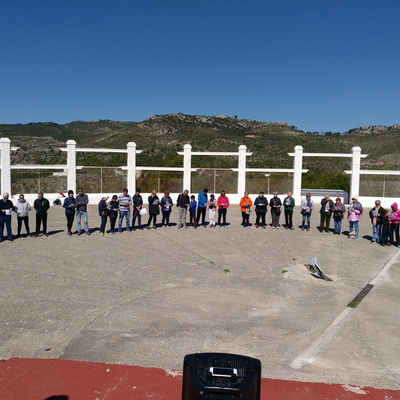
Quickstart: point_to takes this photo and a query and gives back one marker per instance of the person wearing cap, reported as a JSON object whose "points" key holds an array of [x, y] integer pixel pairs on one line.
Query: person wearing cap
{"points": [[22, 208], [137, 202], [81, 202], [6, 208], [41, 205], [202, 201], [182, 204], [103, 212], [124, 201], [69, 205], [354, 213]]}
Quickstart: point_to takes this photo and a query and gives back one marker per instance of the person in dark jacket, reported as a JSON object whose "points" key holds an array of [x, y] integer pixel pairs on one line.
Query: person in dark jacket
{"points": [[261, 204], [385, 228], [183, 203], [376, 220], [276, 207], [327, 207], [166, 204], [113, 208], [137, 202], [41, 205], [69, 205], [338, 212], [6, 208], [154, 209], [103, 211], [81, 203]]}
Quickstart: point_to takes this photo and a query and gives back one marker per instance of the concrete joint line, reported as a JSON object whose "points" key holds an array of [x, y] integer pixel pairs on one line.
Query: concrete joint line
{"points": [[308, 355]]}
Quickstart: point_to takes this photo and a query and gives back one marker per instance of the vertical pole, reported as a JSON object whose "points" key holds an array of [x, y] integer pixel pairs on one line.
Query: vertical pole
{"points": [[242, 170], [71, 165], [131, 164], [297, 166], [5, 149], [355, 171], [187, 167]]}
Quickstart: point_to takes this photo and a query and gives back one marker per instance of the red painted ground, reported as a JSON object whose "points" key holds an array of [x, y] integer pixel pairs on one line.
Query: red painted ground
{"points": [[37, 379]]}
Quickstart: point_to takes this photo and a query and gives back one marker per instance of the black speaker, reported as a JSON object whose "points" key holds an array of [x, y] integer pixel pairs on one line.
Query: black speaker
{"points": [[221, 376]]}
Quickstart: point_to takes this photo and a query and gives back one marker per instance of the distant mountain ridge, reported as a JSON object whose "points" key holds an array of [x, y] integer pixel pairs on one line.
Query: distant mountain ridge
{"points": [[162, 136]]}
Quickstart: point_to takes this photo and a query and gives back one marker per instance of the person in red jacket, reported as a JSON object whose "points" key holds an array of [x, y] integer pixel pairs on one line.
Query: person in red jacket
{"points": [[223, 204]]}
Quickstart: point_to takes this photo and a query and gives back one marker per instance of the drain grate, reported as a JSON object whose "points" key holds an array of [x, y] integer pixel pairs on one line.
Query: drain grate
{"points": [[357, 300]]}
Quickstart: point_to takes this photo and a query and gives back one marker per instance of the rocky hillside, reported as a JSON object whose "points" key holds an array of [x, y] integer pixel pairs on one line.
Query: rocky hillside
{"points": [[161, 136]]}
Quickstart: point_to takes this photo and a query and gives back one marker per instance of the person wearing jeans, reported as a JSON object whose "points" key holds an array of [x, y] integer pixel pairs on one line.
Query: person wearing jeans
{"points": [[354, 212], [81, 202], [124, 201], [307, 206]]}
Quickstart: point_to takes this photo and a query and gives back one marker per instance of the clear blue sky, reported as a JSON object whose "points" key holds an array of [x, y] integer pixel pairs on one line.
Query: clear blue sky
{"points": [[320, 65]]}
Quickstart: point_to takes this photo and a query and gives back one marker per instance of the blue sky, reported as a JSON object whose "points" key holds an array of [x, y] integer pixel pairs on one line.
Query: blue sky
{"points": [[319, 65]]}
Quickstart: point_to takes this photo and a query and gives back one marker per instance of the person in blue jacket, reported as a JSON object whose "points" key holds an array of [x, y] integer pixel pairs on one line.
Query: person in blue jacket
{"points": [[193, 206], [202, 200], [69, 205]]}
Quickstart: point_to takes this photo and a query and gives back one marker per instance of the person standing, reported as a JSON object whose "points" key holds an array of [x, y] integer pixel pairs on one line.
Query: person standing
{"points": [[223, 204], [326, 210], [354, 213], [69, 205], [212, 210], [288, 203], [154, 209], [276, 207], [22, 208], [338, 213], [137, 202], [6, 209], [183, 203], [202, 200], [245, 208], [81, 202], [124, 201], [103, 211], [113, 209], [261, 204], [394, 218], [376, 220], [166, 208], [193, 206], [307, 205], [41, 205]]}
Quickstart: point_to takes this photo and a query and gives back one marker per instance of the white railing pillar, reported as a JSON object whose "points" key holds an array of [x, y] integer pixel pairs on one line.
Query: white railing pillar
{"points": [[5, 150], [355, 171], [242, 170], [297, 166], [187, 167], [131, 164], [71, 165]]}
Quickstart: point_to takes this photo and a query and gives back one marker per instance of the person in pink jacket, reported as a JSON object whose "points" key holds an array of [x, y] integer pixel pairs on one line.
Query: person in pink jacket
{"points": [[394, 218], [223, 204], [354, 213]]}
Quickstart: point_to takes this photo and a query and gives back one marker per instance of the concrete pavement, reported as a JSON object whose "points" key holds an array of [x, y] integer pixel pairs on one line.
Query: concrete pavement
{"points": [[150, 297]]}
